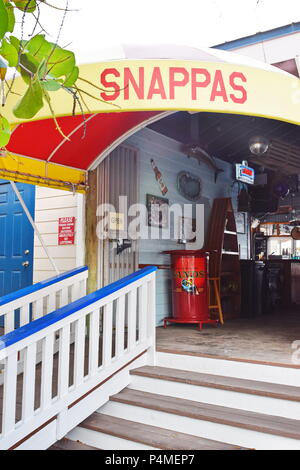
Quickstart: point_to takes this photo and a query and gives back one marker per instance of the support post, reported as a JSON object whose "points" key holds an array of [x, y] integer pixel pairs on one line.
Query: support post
{"points": [[91, 240], [151, 320]]}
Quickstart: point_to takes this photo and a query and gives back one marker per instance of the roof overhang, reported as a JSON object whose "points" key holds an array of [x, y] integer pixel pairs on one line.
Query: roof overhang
{"points": [[136, 92]]}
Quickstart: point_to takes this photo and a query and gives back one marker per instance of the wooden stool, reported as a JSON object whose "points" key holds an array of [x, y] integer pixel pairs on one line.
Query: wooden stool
{"points": [[216, 283]]}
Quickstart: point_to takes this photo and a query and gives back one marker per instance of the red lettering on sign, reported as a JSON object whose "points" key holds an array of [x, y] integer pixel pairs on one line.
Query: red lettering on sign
{"points": [[66, 231], [156, 85], [243, 97], [174, 83], [110, 96], [199, 84], [130, 80], [218, 88], [134, 82]]}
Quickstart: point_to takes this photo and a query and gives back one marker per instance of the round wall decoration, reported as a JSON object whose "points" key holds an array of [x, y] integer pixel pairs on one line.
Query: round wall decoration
{"points": [[189, 186]]}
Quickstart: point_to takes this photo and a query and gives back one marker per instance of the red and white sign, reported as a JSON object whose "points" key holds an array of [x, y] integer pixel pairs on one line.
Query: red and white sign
{"points": [[66, 231]]}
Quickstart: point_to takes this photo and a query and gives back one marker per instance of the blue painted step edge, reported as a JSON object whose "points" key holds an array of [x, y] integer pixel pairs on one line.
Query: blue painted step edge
{"points": [[42, 323], [5, 299]]}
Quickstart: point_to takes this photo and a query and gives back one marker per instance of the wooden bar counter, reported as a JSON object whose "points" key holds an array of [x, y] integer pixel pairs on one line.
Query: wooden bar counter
{"points": [[290, 279]]}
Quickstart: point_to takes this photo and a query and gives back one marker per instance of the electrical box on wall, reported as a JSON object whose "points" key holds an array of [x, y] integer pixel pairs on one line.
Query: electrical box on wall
{"points": [[244, 173]]}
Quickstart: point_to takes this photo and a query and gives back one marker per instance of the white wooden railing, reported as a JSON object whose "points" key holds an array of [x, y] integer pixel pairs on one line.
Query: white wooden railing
{"points": [[20, 307], [114, 329]]}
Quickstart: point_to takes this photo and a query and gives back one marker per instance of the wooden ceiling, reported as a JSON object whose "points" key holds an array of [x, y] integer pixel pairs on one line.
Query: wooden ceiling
{"points": [[226, 136], [281, 157]]}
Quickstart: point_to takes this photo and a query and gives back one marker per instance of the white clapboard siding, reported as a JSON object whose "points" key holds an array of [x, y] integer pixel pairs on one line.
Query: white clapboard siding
{"points": [[50, 205]]}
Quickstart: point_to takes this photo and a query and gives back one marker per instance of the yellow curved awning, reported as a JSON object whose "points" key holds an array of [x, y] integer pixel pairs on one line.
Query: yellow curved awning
{"points": [[146, 87]]}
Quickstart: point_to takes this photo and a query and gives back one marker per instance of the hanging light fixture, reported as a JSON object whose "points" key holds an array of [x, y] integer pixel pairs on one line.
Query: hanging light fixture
{"points": [[258, 145]]}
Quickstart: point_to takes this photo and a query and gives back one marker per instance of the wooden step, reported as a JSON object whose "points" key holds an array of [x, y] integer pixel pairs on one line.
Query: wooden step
{"points": [[152, 436], [267, 424], [251, 387], [67, 444]]}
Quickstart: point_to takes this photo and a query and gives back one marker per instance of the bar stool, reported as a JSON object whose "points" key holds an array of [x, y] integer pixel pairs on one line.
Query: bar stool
{"points": [[215, 285]]}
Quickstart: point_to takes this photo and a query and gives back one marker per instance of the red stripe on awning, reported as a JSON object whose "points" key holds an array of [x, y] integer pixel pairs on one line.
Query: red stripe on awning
{"points": [[38, 139]]}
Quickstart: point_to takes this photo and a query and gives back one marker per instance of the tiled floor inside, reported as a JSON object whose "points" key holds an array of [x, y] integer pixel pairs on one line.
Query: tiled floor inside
{"points": [[269, 338]]}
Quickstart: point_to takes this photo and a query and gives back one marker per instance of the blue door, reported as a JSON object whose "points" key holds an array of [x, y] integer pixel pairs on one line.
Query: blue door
{"points": [[16, 238]]}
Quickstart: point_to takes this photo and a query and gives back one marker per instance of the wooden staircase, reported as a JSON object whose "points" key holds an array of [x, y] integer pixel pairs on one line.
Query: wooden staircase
{"points": [[175, 409]]}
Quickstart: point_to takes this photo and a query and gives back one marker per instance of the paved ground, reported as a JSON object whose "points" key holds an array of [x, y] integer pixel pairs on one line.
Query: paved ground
{"points": [[267, 338]]}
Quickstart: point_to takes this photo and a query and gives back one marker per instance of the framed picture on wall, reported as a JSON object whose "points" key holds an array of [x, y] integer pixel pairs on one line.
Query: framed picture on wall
{"points": [[157, 211], [240, 220]]}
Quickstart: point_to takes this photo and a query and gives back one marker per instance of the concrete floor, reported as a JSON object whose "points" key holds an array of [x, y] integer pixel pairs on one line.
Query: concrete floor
{"points": [[266, 338]]}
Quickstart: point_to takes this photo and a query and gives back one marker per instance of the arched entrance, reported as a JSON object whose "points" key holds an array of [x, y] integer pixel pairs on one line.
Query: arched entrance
{"points": [[145, 89]]}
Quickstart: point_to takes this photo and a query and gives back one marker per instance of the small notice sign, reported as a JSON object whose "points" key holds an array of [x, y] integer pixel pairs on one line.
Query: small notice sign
{"points": [[66, 231]]}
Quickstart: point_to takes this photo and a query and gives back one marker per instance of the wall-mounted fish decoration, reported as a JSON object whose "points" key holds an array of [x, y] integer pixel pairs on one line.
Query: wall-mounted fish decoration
{"points": [[195, 151]]}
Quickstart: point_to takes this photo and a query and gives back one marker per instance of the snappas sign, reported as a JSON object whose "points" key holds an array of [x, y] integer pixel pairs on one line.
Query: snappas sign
{"points": [[148, 83], [187, 85], [178, 85]]}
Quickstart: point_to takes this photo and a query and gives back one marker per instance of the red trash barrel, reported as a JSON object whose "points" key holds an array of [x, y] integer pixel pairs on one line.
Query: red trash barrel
{"points": [[189, 287]]}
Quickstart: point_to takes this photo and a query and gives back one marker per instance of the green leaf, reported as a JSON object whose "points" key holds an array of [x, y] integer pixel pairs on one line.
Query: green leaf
{"points": [[3, 19], [51, 85], [39, 47], [28, 6], [9, 52], [31, 102], [11, 17], [61, 62], [15, 42], [72, 77], [5, 131], [28, 64]]}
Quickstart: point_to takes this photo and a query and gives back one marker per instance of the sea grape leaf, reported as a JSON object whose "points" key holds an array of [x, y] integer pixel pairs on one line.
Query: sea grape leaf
{"points": [[29, 6], [61, 62], [28, 67], [3, 19], [5, 131], [11, 17], [51, 85], [9, 52], [31, 102], [39, 47], [72, 77], [15, 42]]}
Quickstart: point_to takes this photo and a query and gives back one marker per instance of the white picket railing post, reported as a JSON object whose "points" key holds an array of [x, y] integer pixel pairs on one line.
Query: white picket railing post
{"points": [[143, 312], [151, 320], [107, 335], [10, 394], [24, 315], [120, 326], [47, 371], [132, 299], [79, 345], [94, 342], [29, 382]]}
